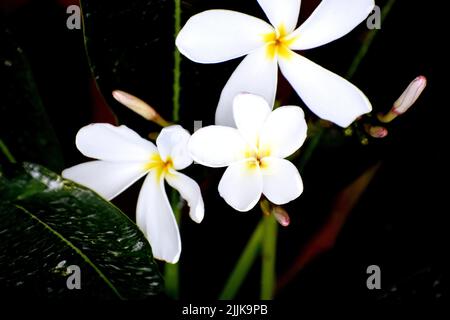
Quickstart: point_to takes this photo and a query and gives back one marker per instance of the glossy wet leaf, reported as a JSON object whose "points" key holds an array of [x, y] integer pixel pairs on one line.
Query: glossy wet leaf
{"points": [[48, 224]]}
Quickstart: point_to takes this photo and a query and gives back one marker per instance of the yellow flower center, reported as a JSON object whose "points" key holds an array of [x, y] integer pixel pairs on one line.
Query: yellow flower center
{"points": [[278, 43], [161, 167], [256, 158]]}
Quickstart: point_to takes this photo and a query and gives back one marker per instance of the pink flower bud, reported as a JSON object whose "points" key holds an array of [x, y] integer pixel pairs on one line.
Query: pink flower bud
{"points": [[140, 107], [410, 95], [406, 100], [281, 216], [377, 132]]}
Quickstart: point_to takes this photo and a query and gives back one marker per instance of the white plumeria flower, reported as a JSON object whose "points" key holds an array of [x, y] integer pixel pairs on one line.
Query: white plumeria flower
{"points": [[254, 152], [219, 35], [123, 158]]}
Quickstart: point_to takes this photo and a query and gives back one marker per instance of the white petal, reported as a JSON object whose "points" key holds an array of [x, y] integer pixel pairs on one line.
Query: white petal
{"points": [[250, 112], [328, 95], [172, 142], [256, 74], [190, 191], [106, 178], [107, 142], [282, 181], [219, 35], [284, 131], [217, 146], [241, 185], [331, 20], [155, 218], [282, 12]]}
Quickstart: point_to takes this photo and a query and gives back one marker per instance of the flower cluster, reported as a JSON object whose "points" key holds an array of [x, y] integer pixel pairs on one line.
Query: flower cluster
{"points": [[220, 35], [250, 139]]}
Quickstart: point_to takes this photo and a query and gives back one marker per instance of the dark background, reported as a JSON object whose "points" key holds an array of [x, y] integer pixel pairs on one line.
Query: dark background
{"points": [[398, 224]]}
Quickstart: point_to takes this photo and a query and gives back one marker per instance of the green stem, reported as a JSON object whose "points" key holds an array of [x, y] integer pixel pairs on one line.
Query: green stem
{"points": [[368, 42], [269, 249], [244, 264], [172, 271], [309, 149], [4, 149], [176, 65]]}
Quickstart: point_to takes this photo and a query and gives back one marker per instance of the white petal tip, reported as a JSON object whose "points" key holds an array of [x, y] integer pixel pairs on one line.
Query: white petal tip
{"points": [[346, 123], [168, 260], [197, 219], [236, 206], [64, 174], [197, 215]]}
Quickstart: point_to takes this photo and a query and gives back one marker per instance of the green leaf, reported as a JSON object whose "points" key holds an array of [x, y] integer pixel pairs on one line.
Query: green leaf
{"points": [[24, 125], [48, 223]]}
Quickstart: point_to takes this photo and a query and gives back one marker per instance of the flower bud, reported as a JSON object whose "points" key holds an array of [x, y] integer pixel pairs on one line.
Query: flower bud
{"points": [[377, 132], [406, 100], [281, 216], [410, 95], [140, 107]]}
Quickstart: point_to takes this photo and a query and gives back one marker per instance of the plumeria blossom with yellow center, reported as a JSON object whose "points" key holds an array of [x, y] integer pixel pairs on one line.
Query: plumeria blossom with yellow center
{"points": [[219, 35], [123, 158], [254, 152]]}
